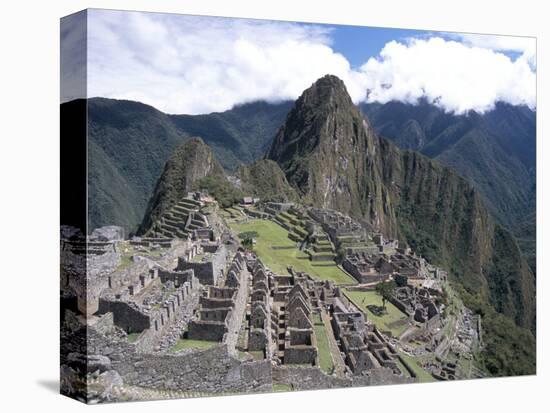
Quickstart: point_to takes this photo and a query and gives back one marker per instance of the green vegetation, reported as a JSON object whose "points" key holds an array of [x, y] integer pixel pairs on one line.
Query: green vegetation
{"points": [[281, 387], [129, 143], [247, 238], [392, 319], [422, 375], [265, 179], [277, 251], [132, 337], [325, 356], [188, 164], [257, 355], [495, 151], [385, 290], [218, 186], [185, 343], [127, 251], [508, 350], [125, 262]]}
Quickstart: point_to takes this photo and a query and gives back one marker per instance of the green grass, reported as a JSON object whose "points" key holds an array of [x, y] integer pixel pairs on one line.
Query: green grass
{"points": [[132, 337], [185, 343], [281, 387], [422, 375], [325, 357], [258, 355], [403, 368], [385, 322], [125, 262], [127, 251], [271, 235]]}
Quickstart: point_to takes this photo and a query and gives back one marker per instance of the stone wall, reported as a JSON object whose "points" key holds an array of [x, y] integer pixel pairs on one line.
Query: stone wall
{"points": [[209, 272], [307, 378], [177, 277], [235, 321], [211, 371], [125, 316], [205, 330]]}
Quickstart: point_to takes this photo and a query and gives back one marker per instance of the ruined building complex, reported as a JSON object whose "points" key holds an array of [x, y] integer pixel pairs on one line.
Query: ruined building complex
{"points": [[186, 308]]}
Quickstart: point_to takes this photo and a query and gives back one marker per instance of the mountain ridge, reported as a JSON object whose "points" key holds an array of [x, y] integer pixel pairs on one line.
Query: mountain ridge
{"points": [[133, 141]]}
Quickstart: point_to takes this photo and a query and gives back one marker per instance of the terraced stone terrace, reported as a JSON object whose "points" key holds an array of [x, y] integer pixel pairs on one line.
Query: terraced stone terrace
{"points": [[278, 251], [294, 224], [175, 222]]}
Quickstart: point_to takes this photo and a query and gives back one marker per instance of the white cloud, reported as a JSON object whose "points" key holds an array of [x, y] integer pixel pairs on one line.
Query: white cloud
{"points": [[185, 64], [190, 64], [525, 46], [451, 74]]}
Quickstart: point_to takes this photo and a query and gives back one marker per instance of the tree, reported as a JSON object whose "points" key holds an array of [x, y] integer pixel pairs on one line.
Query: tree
{"points": [[385, 289], [247, 238]]}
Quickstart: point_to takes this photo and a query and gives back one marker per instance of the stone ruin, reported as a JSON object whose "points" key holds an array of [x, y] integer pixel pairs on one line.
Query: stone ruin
{"points": [[368, 268], [207, 260], [275, 208], [418, 303], [150, 305], [364, 347], [300, 343], [261, 324], [221, 307], [337, 224], [184, 220]]}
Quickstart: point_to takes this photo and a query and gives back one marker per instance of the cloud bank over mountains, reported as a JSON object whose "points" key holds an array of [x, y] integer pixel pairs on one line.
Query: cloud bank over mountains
{"points": [[192, 64]]}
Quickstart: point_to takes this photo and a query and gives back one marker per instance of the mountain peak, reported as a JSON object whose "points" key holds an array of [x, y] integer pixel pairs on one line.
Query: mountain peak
{"points": [[190, 162], [323, 118], [327, 90]]}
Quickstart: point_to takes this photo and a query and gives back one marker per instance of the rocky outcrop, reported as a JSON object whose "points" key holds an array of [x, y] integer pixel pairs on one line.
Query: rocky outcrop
{"points": [[190, 162], [266, 180]]}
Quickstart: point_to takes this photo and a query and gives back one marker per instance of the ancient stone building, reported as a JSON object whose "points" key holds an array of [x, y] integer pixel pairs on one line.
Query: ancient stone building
{"points": [[208, 266]]}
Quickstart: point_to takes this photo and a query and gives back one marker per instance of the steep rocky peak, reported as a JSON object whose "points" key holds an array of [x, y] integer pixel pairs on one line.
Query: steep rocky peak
{"points": [[323, 118], [326, 91]]}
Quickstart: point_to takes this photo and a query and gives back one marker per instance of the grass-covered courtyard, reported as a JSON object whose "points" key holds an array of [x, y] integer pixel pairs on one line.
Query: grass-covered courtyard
{"points": [[422, 375], [392, 319], [325, 357], [277, 251], [185, 344]]}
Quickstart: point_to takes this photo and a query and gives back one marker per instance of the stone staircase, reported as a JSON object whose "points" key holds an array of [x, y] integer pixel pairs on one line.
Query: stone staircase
{"points": [[294, 224], [180, 220], [320, 248]]}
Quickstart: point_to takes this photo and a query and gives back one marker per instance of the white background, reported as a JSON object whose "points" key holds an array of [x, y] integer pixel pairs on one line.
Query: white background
{"points": [[29, 206]]}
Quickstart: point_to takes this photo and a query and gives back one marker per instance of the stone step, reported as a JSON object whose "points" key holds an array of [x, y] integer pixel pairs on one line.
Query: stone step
{"points": [[182, 234], [184, 208], [174, 223], [168, 227], [198, 223], [322, 248], [180, 216], [165, 233], [189, 201]]}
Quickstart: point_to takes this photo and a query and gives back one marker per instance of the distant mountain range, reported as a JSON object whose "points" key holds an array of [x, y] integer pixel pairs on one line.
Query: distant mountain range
{"points": [[495, 151], [129, 143]]}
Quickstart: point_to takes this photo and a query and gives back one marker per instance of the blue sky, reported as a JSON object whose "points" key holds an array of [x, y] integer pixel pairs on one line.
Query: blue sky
{"points": [[359, 43], [198, 64]]}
